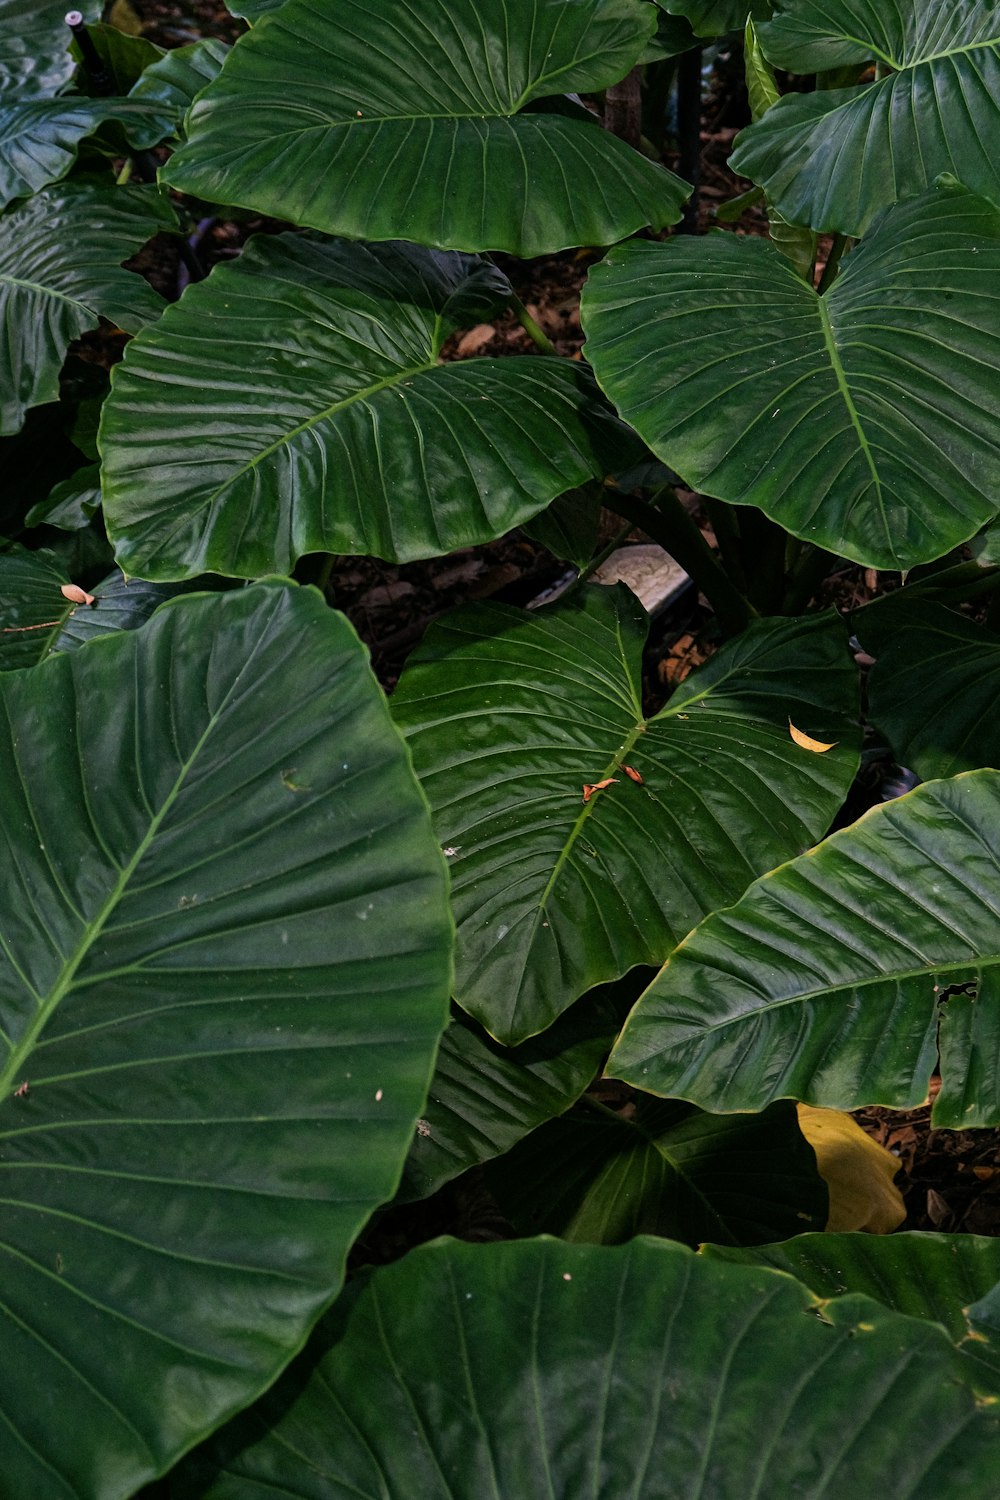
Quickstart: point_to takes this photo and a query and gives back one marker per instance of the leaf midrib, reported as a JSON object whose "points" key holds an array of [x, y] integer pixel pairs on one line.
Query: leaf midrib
{"points": [[833, 353], [92, 930]]}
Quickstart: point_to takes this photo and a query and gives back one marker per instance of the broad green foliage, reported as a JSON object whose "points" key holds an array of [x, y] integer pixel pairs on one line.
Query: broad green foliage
{"points": [[296, 402], [313, 120], [224, 973], [32, 610], [713, 17], [641, 1370], [75, 238], [666, 1169], [173, 82], [858, 420], [552, 893], [39, 137], [933, 690], [828, 980], [836, 157]]}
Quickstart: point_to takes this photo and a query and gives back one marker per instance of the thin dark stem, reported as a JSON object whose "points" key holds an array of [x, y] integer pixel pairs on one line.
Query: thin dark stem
{"points": [[727, 534], [689, 132], [840, 244], [813, 567], [668, 523]]}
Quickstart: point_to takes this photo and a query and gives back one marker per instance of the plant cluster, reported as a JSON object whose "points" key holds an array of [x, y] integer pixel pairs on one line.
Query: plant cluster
{"points": [[277, 951]]}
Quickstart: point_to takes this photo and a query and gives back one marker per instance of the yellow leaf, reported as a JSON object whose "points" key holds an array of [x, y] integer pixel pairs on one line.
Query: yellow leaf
{"points": [[819, 747], [857, 1171]]}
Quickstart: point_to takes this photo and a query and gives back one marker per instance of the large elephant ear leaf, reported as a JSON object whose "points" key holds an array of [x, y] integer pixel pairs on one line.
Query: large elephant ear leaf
{"points": [[224, 971], [39, 138], [60, 272], [424, 135], [858, 420], [933, 689], [556, 887], [834, 158], [644, 1371], [715, 17], [836, 978], [295, 402]]}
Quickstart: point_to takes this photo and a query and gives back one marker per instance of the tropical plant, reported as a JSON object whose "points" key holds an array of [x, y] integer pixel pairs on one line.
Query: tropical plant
{"points": [[244, 885]]}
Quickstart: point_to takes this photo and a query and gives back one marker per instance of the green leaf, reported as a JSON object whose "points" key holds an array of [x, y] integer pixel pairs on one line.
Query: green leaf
{"points": [[667, 1169], [32, 610], [295, 402], [72, 503], [424, 136], [642, 1370], [35, 58], [124, 57], [933, 689], [716, 17], [569, 527], [510, 713], [794, 241], [39, 137], [826, 980], [933, 1276], [859, 420], [483, 1097], [60, 271], [224, 974], [835, 158], [173, 82], [120, 603]]}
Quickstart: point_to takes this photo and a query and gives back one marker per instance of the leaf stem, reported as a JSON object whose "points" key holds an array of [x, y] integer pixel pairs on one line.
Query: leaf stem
{"points": [[537, 335], [841, 242]]}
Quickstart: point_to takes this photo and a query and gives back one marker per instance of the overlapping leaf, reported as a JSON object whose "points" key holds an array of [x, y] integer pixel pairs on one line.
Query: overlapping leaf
{"points": [[380, 120], [933, 1276], [60, 271], [32, 609], [933, 690], [836, 157], [827, 980], [295, 402], [484, 1098], [173, 82], [639, 1370], [223, 973], [39, 137], [509, 714], [714, 17], [861, 420], [665, 1168]]}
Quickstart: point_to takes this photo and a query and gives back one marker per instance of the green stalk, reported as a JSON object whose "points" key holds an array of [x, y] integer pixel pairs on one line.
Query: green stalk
{"points": [[667, 522], [537, 335], [727, 534], [813, 567], [840, 244]]}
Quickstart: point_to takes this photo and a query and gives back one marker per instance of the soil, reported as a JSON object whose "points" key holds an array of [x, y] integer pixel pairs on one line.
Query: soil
{"points": [[950, 1180]]}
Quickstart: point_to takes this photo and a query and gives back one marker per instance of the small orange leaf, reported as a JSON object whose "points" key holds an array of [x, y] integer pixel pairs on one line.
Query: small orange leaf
{"points": [[75, 594], [632, 775], [598, 786], [819, 747]]}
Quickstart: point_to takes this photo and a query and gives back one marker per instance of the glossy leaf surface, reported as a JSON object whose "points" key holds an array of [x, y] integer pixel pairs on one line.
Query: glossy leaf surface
{"points": [[173, 82], [923, 1275], [553, 894], [597, 1176], [933, 689], [638, 1370], [32, 609], [35, 59], [295, 402], [71, 504], [859, 420], [224, 973], [826, 980], [715, 17], [60, 271], [835, 158], [39, 137], [423, 134]]}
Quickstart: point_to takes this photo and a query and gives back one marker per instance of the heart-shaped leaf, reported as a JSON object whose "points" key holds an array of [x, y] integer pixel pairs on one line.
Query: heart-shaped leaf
{"points": [[295, 402], [60, 271], [554, 893], [425, 134], [665, 1168], [859, 420], [836, 157], [39, 137], [827, 980], [223, 974], [638, 1370]]}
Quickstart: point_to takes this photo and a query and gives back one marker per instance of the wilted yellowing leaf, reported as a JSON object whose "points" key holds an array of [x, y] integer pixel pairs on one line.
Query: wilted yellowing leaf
{"points": [[857, 1171]]}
